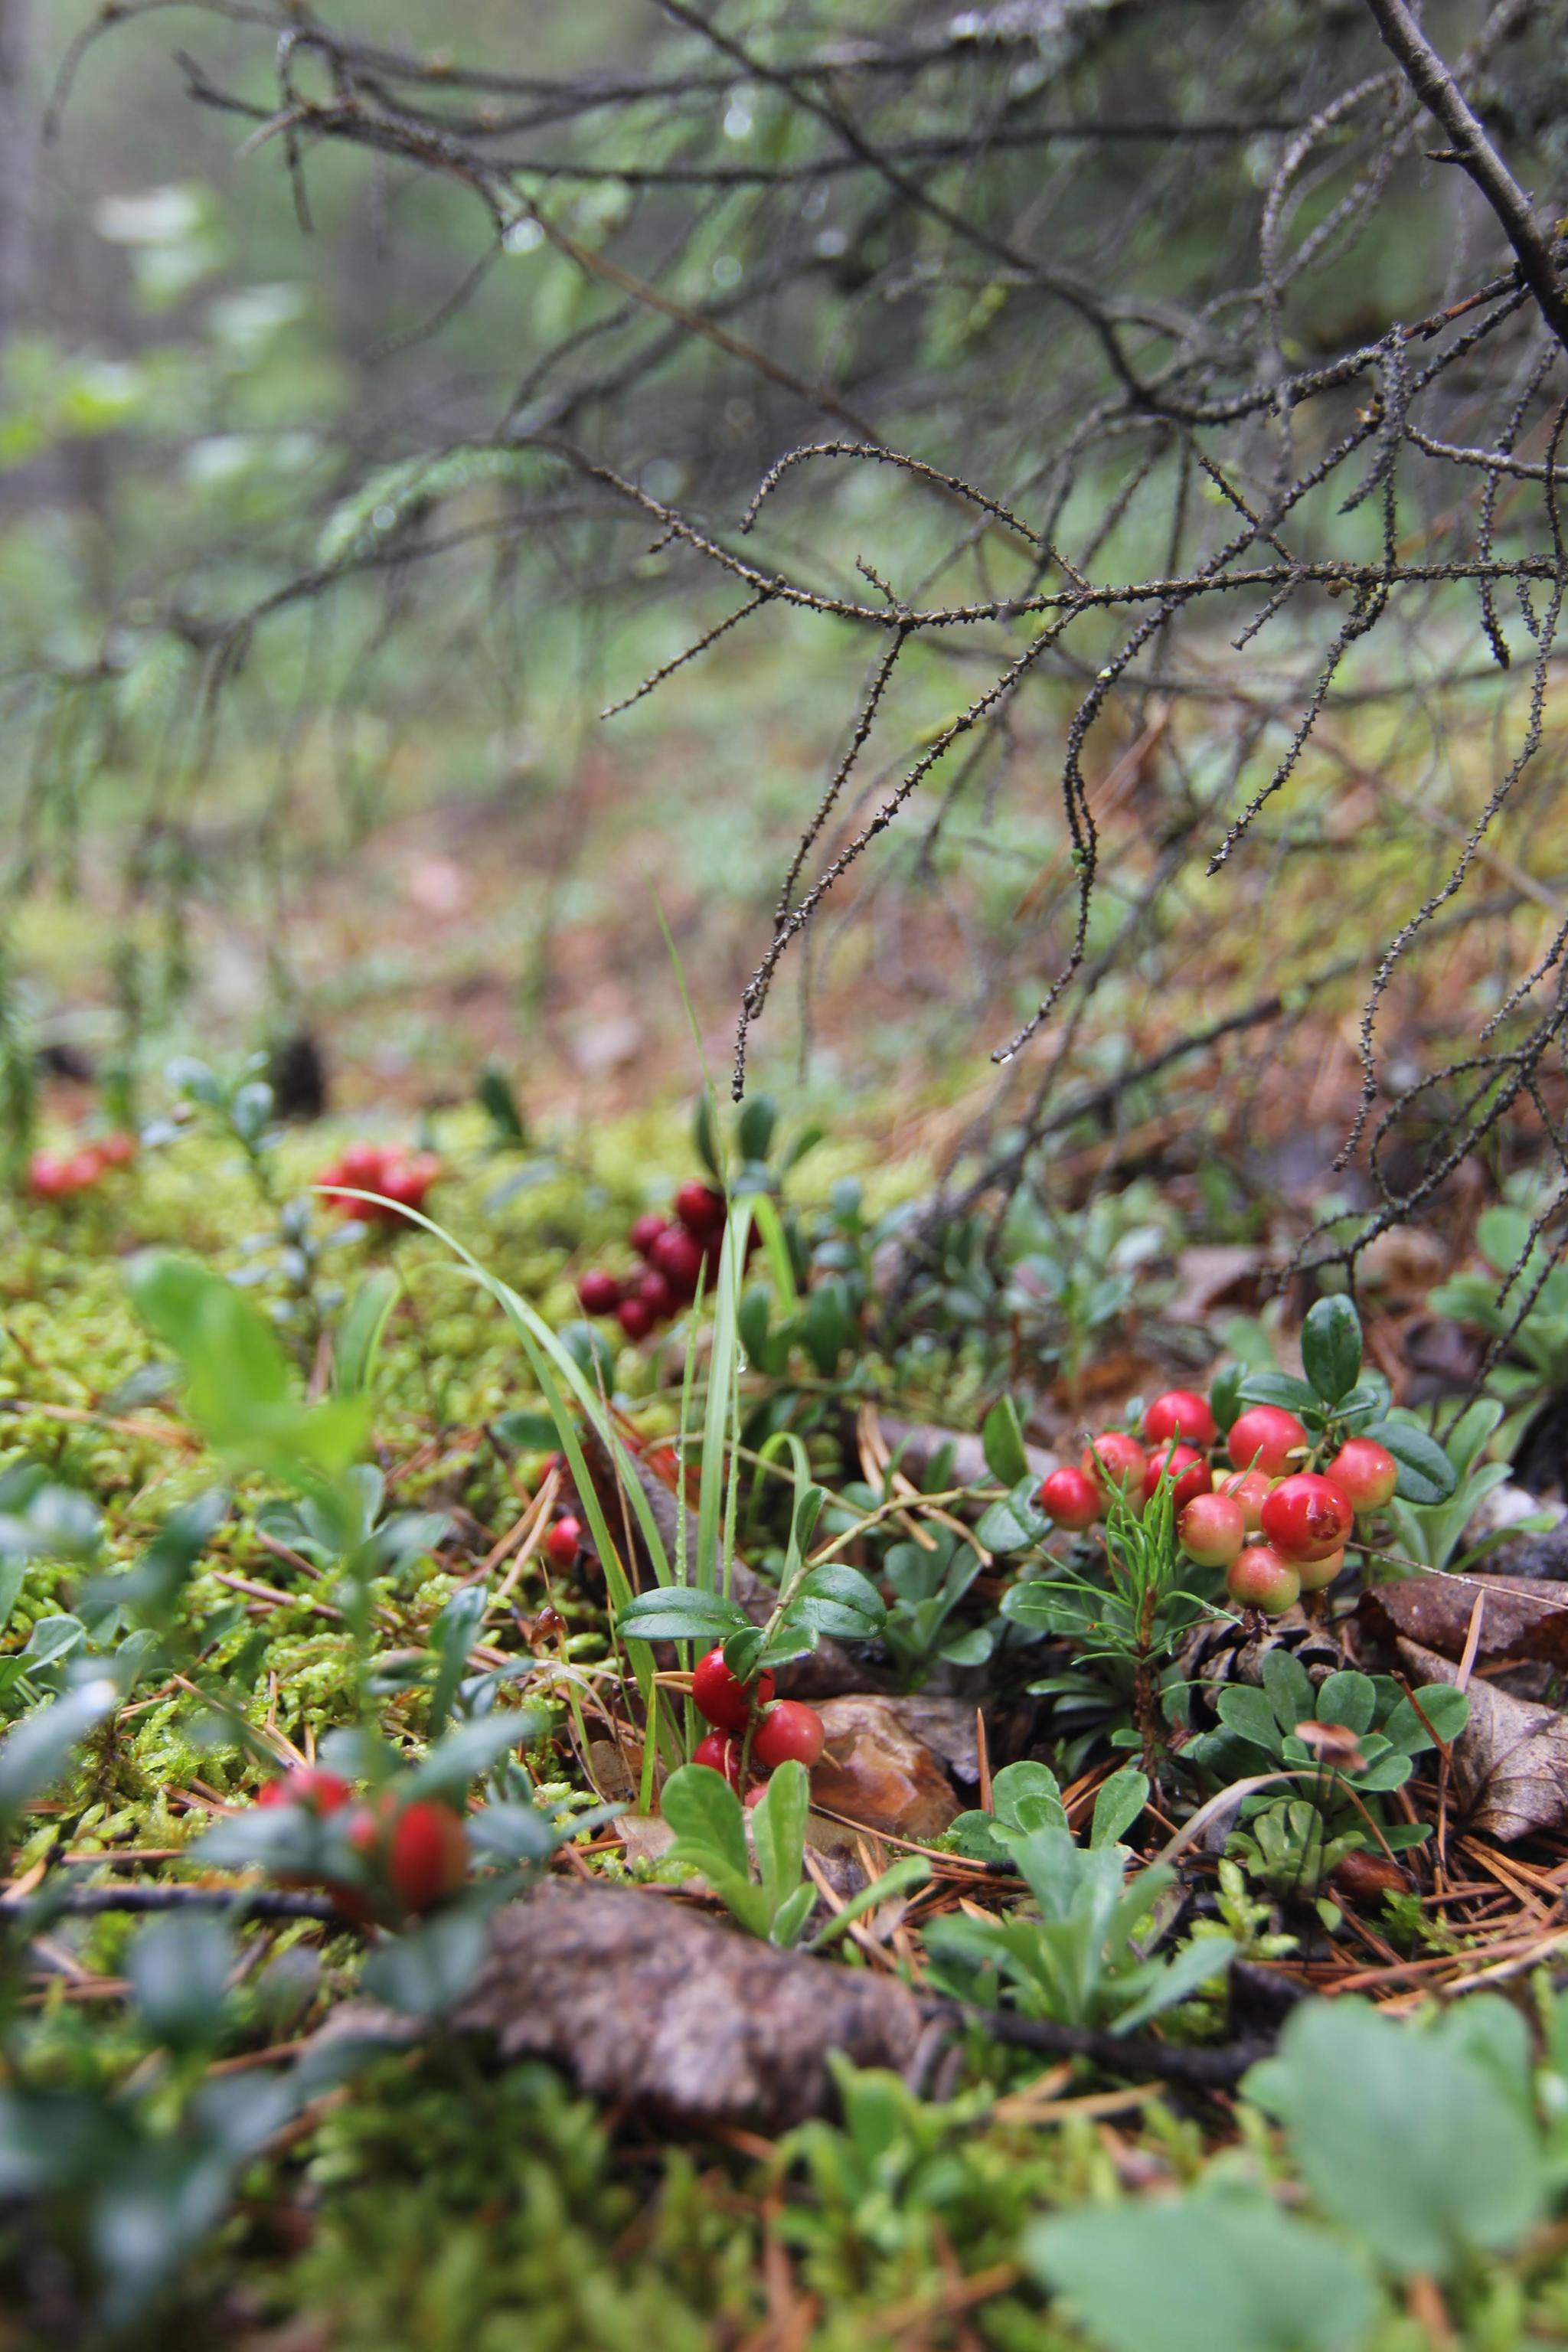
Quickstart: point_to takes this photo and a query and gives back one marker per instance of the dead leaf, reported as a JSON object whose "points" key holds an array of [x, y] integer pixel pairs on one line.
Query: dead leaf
{"points": [[1211, 1274], [878, 1773], [1520, 1618], [1510, 1762], [646, 2001]]}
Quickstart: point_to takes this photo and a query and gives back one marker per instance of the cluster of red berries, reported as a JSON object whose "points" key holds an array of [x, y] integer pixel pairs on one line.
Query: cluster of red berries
{"points": [[781, 1729], [402, 1178], [57, 1175], [417, 1850], [679, 1255], [1304, 1517]]}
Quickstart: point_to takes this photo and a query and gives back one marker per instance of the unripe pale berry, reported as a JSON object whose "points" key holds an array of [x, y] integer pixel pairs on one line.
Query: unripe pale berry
{"points": [[1316, 1575], [1187, 1470], [1367, 1471], [1264, 1438], [1213, 1529], [1250, 1489], [1258, 1578], [1072, 1499], [1180, 1413], [1307, 1517]]}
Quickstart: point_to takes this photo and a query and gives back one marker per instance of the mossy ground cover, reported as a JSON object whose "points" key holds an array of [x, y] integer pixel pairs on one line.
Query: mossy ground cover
{"points": [[434, 2197]]}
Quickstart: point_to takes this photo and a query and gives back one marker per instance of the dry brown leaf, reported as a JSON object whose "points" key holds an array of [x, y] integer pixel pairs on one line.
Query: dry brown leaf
{"points": [[646, 2001], [1510, 1763], [877, 1771], [1520, 1617]]}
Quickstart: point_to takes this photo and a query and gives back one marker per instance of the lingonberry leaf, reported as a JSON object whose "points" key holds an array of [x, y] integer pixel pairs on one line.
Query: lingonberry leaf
{"points": [[1330, 1348], [1425, 1474], [679, 1613]]}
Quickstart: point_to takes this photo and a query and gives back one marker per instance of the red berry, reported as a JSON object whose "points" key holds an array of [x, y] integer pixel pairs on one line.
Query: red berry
{"points": [[1114, 1459], [635, 1317], [1264, 1438], [1250, 1489], [1366, 1472], [428, 1855], [723, 1698], [322, 1792], [598, 1292], [681, 1257], [1187, 1470], [657, 1295], [720, 1754], [1316, 1575], [789, 1728], [646, 1231], [1180, 1413], [47, 1176], [1258, 1578], [361, 1164], [1308, 1517], [116, 1151], [82, 1171], [1213, 1529], [564, 1542], [1072, 1498], [754, 1795], [700, 1209]]}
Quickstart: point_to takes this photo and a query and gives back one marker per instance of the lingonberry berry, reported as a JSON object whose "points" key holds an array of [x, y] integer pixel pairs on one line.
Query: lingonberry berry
{"points": [[657, 1294], [1180, 1413], [1072, 1498], [1316, 1575], [1213, 1529], [681, 1257], [1307, 1517], [320, 1793], [1187, 1470], [789, 1728], [83, 1170], [1115, 1459], [598, 1292], [427, 1854], [646, 1230], [1258, 1578], [1366, 1472], [720, 1753], [48, 1177], [1250, 1488], [723, 1698], [361, 1164], [635, 1317], [1265, 1437], [564, 1542], [700, 1209], [118, 1149]]}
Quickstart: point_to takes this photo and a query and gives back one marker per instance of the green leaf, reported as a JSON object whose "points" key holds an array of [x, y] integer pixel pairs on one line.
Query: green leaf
{"points": [[838, 1601], [754, 1127], [1224, 1395], [778, 1830], [1001, 1437], [1447, 1709], [1121, 1800], [500, 1103], [1349, 1699], [1248, 1714], [704, 1136], [36, 1751], [1016, 1523], [179, 1976], [1331, 1346], [1281, 1388], [428, 1968], [1425, 1474], [1203, 2273], [791, 1916], [704, 1811], [1028, 1796], [358, 1335], [1289, 1688], [1402, 2138], [677, 1613]]}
